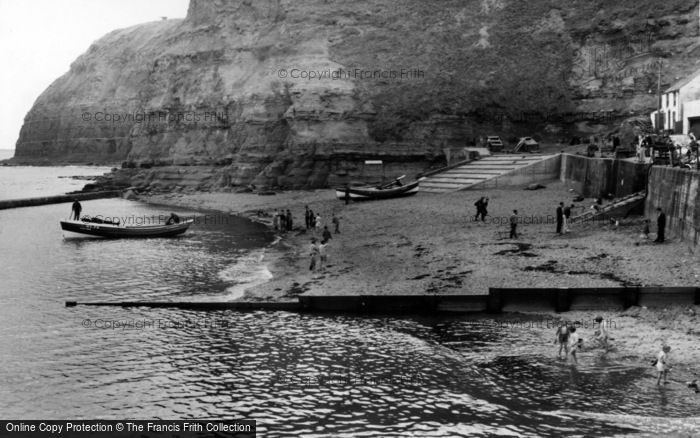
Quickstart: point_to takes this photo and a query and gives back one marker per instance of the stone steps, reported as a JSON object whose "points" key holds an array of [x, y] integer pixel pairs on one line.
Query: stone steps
{"points": [[475, 172]]}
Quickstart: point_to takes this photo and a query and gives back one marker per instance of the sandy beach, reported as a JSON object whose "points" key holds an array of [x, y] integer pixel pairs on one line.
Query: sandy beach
{"points": [[431, 244]]}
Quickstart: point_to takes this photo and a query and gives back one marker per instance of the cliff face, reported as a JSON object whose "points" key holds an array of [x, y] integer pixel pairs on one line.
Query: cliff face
{"points": [[298, 93]]}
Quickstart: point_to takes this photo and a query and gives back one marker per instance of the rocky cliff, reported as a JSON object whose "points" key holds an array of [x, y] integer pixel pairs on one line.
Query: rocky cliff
{"points": [[298, 93]]}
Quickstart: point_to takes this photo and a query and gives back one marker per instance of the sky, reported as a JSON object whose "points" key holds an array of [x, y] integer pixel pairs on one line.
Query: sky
{"points": [[39, 39]]}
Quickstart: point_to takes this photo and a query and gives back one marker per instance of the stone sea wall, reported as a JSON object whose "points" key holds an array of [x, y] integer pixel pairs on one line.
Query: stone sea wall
{"points": [[598, 177], [676, 192]]}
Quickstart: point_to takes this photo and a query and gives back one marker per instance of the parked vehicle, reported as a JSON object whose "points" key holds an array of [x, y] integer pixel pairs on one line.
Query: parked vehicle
{"points": [[494, 143], [527, 144]]}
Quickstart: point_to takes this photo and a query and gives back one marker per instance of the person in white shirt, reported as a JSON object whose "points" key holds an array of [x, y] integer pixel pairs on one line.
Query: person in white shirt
{"points": [[601, 333], [662, 365], [574, 343], [322, 252]]}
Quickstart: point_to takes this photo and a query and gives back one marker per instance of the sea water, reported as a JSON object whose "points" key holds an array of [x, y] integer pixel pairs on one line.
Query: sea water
{"points": [[296, 374]]}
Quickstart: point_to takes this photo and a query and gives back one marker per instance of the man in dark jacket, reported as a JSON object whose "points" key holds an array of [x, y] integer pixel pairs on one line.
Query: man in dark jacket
{"points": [[479, 205], [661, 226], [326, 234], [560, 217], [514, 225], [76, 209], [290, 221], [567, 218]]}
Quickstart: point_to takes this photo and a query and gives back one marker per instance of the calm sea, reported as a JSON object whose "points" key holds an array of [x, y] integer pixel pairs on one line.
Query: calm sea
{"points": [[296, 374]]}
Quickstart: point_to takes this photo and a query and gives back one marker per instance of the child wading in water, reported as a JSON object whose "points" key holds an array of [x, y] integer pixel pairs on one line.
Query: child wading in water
{"points": [[601, 333], [561, 337], [661, 364], [574, 344]]}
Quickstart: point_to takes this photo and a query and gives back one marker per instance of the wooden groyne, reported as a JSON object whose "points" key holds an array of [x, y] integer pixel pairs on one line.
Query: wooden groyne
{"points": [[58, 199], [198, 305], [496, 301], [589, 298]]}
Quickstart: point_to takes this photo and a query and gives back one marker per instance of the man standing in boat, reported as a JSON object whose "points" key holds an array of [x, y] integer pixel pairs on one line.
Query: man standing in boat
{"points": [[76, 209]]}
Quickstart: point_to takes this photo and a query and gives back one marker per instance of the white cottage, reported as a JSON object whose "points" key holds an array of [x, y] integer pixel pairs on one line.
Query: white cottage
{"points": [[680, 106]]}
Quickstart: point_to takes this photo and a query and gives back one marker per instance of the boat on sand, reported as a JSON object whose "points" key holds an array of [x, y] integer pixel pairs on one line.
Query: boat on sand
{"points": [[394, 189]]}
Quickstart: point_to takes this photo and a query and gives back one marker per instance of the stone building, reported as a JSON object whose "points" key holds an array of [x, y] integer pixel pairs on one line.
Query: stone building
{"points": [[680, 106]]}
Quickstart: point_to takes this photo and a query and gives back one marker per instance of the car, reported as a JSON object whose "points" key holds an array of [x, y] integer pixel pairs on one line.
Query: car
{"points": [[527, 144], [494, 143]]}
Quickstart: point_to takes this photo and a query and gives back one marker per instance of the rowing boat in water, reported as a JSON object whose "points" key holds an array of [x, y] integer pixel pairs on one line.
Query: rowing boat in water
{"points": [[366, 193], [111, 230]]}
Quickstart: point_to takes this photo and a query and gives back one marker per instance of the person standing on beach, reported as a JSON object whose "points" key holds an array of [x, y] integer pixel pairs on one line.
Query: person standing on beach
{"points": [[567, 218], [662, 365], [76, 209], [660, 226], [326, 234], [317, 222], [561, 337], [283, 221], [336, 223], [481, 205], [290, 220], [276, 221], [307, 217], [560, 217], [347, 194], [312, 219], [514, 225], [322, 251], [315, 254]]}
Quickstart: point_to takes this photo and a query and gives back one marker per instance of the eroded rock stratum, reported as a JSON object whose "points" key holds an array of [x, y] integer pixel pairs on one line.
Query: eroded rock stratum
{"points": [[229, 88]]}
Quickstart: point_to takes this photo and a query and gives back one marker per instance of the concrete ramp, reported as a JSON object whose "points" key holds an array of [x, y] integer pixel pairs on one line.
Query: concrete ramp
{"points": [[616, 208], [494, 169]]}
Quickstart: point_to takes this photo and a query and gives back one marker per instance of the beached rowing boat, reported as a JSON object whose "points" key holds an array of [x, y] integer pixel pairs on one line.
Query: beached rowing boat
{"points": [[366, 193], [116, 231]]}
